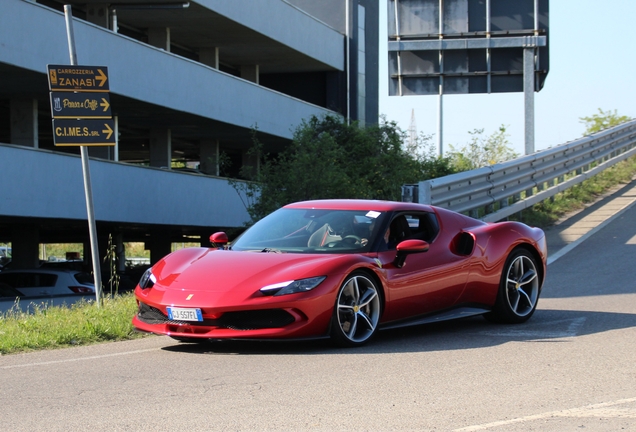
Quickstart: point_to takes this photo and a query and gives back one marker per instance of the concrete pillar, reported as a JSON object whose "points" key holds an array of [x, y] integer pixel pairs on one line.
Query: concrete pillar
{"points": [[209, 57], [25, 245], [120, 252], [159, 37], [209, 156], [250, 73], [97, 13], [159, 246], [160, 148], [24, 122]]}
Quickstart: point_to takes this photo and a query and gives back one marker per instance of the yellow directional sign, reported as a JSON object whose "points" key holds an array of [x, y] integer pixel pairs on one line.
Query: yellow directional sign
{"points": [[80, 106], [85, 105], [78, 78], [84, 132]]}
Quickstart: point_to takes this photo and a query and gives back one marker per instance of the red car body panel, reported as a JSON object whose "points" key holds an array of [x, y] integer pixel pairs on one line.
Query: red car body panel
{"points": [[463, 266]]}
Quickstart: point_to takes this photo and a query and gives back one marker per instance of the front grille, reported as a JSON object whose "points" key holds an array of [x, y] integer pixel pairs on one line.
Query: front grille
{"points": [[258, 319], [244, 320], [151, 315]]}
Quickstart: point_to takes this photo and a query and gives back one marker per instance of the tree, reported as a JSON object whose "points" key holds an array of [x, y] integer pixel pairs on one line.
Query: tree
{"points": [[602, 120], [329, 158], [482, 151]]}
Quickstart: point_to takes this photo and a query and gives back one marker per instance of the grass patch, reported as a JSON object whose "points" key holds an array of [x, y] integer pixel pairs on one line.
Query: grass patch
{"points": [[81, 324], [546, 213]]}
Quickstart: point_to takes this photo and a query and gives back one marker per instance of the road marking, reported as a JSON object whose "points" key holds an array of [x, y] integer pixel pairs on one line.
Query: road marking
{"points": [[553, 257], [596, 410], [77, 359], [571, 331]]}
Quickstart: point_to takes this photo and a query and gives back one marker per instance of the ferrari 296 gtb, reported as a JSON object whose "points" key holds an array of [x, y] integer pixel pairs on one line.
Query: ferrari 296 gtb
{"points": [[344, 269]]}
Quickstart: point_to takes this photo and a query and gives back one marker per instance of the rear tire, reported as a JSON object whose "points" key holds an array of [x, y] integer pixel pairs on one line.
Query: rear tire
{"points": [[519, 289], [357, 311]]}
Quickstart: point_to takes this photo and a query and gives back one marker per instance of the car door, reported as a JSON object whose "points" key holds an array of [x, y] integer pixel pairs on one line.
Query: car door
{"points": [[428, 281]]}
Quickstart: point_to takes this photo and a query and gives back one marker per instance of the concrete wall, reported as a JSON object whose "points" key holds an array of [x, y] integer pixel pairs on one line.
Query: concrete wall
{"points": [[279, 21], [45, 184]]}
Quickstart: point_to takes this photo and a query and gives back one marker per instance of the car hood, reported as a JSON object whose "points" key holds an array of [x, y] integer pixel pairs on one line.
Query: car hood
{"points": [[210, 270]]}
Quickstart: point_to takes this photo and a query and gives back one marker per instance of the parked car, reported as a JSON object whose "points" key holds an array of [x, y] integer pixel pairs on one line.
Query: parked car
{"points": [[47, 282], [344, 269]]}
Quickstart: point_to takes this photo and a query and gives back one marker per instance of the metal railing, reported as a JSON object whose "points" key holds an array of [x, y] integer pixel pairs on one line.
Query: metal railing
{"points": [[497, 191]]}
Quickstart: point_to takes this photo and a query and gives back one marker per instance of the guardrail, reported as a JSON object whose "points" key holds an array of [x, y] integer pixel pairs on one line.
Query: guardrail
{"points": [[497, 191]]}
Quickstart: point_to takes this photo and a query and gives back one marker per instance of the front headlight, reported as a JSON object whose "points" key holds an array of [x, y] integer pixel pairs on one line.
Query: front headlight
{"points": [[147, 280], [291, 287]]}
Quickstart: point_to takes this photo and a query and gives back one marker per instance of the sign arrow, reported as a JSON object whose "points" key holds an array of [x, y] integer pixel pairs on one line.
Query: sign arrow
{"points": [[104, 104], [101, 77], [108, 131]]}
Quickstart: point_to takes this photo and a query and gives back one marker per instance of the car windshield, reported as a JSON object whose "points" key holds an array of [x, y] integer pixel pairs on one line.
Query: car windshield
{"points": [[312, 231]]}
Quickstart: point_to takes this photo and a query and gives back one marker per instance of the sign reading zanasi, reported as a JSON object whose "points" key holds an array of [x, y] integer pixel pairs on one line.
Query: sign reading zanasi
{"points": [[78, 78], [80, 106]]}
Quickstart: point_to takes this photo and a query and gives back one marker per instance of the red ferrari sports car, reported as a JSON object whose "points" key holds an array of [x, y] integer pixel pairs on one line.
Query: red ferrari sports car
{"points": [[344, 269]]}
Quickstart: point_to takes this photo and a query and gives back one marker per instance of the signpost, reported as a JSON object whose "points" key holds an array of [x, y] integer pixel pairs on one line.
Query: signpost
{"points": [[80, 108], [79, 95]]}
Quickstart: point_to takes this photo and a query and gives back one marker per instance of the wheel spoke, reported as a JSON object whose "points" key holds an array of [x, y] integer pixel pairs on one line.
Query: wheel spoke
{"points": [[515, 306], [356, 291], [528, 277], [522, 293], [367, 297], [354, 326], [366, 319]]}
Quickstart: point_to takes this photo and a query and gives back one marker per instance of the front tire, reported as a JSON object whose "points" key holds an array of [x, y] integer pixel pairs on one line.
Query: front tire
{"points": [[519, 289], [357, 311]]}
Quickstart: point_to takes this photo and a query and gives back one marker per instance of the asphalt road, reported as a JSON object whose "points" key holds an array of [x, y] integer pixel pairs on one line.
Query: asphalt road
{"points": [[571, 367]]}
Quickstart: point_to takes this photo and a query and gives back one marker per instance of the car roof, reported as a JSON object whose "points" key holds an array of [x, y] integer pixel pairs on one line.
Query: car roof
{"points": [[42, 270], [359, 204]]}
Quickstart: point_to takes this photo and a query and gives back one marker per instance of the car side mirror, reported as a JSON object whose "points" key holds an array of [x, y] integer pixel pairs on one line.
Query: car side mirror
{"points": [[408, 247], [219, 239]]}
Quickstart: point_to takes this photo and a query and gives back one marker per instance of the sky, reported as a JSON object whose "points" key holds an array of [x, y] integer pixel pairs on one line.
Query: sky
{"points": [[592, 66]]}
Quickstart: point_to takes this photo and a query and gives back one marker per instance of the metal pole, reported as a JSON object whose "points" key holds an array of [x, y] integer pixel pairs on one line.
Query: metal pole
{"points": [[397, 38], [440, 115], [488, 50], [528, 94], [348, 65], [92, 228]]}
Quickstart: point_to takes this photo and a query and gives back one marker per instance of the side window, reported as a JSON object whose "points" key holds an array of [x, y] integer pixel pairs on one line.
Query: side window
{"points": [[9, 279], [422, 226], [405, 226], [33, 280], [45, 280]]}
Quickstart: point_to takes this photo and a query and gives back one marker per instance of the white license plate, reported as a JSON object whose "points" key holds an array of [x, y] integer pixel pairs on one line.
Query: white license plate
{"points": [[184, 314]]}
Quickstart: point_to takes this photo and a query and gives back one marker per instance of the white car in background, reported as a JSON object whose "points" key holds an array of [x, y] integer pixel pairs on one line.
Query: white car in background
{"points": [[47, 282]]}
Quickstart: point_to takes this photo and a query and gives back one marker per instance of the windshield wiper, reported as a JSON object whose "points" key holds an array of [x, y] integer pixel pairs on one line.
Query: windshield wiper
{"points": [[272, 250]]}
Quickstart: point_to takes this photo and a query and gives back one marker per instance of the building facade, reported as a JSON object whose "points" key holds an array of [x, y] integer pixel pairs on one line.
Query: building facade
{"points": [[190, 84]]}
